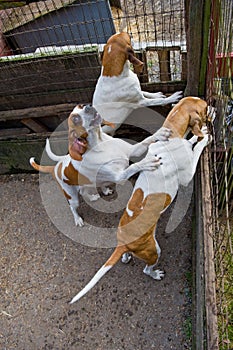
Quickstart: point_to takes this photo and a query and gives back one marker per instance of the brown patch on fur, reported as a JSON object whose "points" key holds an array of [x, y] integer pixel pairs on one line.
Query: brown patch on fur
{"points": [[43, 168], [136, 232], [188, 112], [68, 197], [116, 255], [117, 50], [74, 178], [105, 122]]}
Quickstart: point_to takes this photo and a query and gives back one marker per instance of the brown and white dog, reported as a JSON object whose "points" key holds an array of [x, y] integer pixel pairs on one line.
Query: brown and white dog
{"points": [[118, 91], [155, 190], [95, 159]]}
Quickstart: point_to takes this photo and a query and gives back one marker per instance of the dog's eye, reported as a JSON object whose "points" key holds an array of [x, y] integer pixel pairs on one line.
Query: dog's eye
{"points": [[76, 119]]}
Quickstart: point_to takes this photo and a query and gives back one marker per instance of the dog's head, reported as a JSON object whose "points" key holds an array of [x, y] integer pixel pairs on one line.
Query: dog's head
{"points": [[190, 113], [198, 117], [81, 121], [116, 52]]}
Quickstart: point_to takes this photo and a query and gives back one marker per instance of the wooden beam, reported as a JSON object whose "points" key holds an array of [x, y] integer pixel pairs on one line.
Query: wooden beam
{"points": [[210, 277], [195, 40], [164, 65], [34, 125], [13, 132], [36, 112]]}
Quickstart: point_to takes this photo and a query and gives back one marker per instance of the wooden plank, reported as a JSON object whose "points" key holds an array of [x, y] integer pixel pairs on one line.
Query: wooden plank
{"points": [[168, 87], [13, 132], [34, 125], [21, 101], [36, 112], [15, 153], [210, 278], [164, 65], [49, 73], [143, 77], [184, 71], [194, 39], [198, 299]]}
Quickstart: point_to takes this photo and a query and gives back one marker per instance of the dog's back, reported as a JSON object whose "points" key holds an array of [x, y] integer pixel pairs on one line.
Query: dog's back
{"points": [[176, 168]]}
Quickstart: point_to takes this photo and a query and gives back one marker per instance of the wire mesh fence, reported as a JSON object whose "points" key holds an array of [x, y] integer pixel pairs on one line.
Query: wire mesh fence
{"points": [[219, 91], [60, 31], [49, 54]]}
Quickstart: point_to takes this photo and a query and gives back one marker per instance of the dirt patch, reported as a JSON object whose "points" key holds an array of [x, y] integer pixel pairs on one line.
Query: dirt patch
{"points": [[41, 270]]}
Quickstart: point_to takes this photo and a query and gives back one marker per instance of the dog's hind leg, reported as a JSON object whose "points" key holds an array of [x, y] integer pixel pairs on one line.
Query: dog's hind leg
{"points": [[152, 260], [155, 274], [126, 257], [74, 204], [71, 194]]}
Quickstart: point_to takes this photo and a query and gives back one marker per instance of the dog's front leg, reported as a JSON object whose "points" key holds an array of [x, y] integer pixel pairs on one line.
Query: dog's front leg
{"points": [[161, 101], [148, 163], [153, 94], [198, 150], [138, 149]]}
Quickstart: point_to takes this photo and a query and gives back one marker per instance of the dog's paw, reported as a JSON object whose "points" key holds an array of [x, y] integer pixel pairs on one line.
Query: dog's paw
{"points": [[162, 134], [149, 163], [107, 191], [175, 97], [93, 197], [207, 139], [79, 221], [155, 274], [126, 257], [204, 130]]}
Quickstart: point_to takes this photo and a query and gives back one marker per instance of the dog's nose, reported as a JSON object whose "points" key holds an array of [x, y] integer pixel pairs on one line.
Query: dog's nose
{"points": [[89, 109]]}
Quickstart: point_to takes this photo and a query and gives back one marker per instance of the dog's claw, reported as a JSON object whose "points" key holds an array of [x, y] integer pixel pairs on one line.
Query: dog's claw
{"points": [[155, 274]]}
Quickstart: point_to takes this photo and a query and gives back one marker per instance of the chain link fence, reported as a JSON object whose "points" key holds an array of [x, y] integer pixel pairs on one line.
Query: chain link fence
{"points": [[219, 94]]}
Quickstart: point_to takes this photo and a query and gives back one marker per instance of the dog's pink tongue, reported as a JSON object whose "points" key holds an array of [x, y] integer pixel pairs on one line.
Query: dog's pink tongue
{"points": [[79, 146]]}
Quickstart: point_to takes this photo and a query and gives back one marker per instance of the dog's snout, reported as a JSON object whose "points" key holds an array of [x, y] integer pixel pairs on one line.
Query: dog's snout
{"points": [[89, 109]]}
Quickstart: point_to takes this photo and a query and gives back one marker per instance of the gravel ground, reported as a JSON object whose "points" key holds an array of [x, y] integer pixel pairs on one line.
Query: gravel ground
{"points": [[42, 269]]}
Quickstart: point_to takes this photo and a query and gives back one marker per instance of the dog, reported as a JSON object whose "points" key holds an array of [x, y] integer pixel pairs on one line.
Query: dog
{"points": [[118, 92], [155, 190], [95, 159]]}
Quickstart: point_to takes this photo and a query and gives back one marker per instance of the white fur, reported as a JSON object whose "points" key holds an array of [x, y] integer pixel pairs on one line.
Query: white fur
{"points": [[105, 162], [101, 272], [116, 97]]}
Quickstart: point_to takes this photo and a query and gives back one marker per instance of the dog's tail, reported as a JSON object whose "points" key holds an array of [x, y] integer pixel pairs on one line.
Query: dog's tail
{"points": [[42, 168], [51, 155], [114, 258]]}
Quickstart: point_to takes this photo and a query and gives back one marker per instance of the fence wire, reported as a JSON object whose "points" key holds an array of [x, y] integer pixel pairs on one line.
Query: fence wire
{"points": [[221, 165], [62, 29]]}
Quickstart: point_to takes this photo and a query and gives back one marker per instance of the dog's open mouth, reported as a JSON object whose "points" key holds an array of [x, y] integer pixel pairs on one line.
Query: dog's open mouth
{"points": [[79, 145]]}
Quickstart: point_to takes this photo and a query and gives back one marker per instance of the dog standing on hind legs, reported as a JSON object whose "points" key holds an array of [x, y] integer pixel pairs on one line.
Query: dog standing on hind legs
{"points": [[155, 190], [118, 91], [95, 159]]}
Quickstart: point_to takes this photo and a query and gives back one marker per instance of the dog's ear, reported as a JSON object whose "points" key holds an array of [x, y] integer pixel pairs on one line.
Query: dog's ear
{"points": [[196, 124], [138, 65], [105, 122]]}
